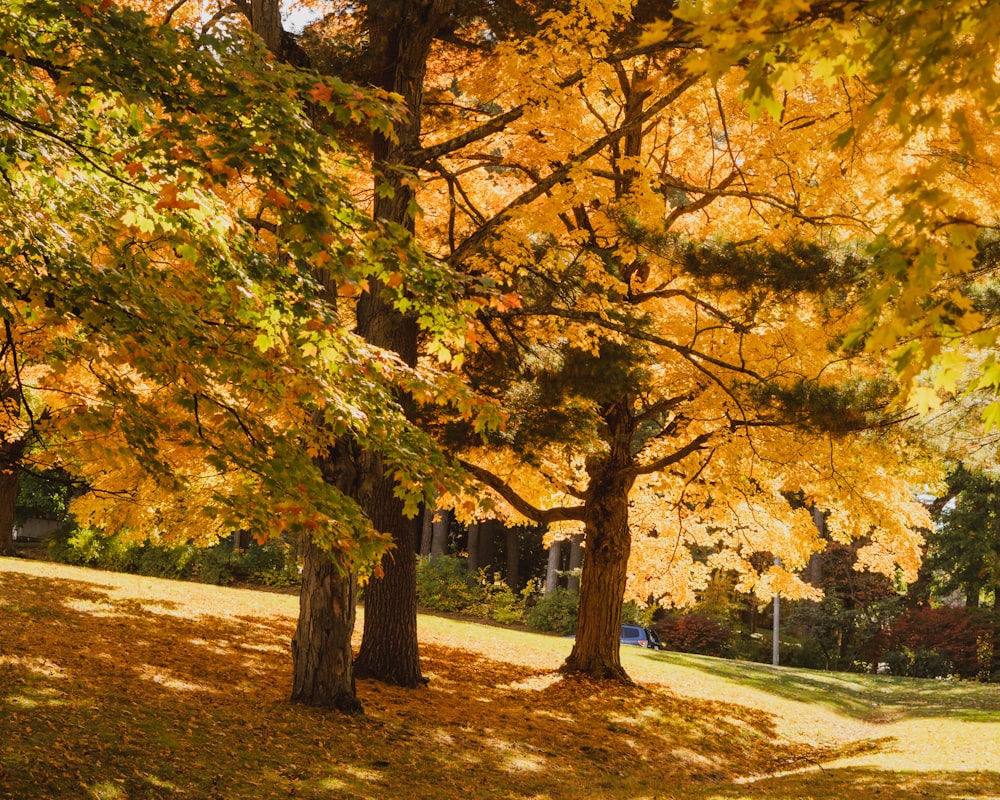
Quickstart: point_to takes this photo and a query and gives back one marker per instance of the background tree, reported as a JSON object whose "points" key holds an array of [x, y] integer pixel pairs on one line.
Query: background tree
{"points": [[965, 544]]}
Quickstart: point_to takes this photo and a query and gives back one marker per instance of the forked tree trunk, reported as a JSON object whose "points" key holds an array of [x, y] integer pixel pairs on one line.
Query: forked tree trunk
{"points": [[321, 647]]}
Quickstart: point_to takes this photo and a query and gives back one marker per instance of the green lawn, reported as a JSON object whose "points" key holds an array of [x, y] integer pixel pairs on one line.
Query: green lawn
{"points": [[117, 686]]}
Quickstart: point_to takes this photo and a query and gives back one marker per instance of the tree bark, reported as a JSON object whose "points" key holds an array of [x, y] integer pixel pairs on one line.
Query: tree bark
{"points": [[426, 530], [575, 562], [513, 571], [472, 549], [321, 647], [400, 32], [552, 570], [389, 651], [608, 542], [10, 482], [439, 535]]}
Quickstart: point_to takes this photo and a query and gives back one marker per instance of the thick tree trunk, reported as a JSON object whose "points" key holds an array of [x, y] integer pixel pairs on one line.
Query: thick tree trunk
{"points": [[608, 542], [321, 647], [10, 482], [389, 651], [400, 35], [602, 587]]}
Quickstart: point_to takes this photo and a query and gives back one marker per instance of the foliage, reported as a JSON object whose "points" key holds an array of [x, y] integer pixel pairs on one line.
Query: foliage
{"points": [[443, 584], [270, 564], [178, 233], [963, 639], [694, 633], [555, 612], [965, 545], [44, 495]]}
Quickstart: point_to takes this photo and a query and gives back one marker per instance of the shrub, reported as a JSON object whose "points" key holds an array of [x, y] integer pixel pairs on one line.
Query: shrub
{"points": [[555, 612], [918, 663], [443, 584], [694, 633], [962, 637]]}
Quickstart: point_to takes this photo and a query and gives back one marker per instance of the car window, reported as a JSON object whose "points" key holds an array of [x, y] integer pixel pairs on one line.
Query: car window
{"points": [[629, 632]]}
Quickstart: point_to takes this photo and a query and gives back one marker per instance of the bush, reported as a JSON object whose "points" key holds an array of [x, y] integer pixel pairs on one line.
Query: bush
{"points": [[918, 664], [963, 638], [443, 584], [694, 633], [555, 612], [270, 564]]}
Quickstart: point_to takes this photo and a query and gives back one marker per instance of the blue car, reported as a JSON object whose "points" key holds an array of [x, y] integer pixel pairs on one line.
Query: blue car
{"points": [[641, 637]]}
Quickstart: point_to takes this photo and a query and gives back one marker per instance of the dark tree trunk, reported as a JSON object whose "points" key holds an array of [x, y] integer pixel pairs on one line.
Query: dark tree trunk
{"points": [[10, 482], [513, 571], [389, 651], [426, 530], [608, 543], [400, 32], [321, 647], [487, 536], [472, 548]]}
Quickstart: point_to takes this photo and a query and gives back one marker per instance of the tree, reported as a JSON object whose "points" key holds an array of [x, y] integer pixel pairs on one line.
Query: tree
{"points": [[965, 544], [642, 367], [176, 231]]}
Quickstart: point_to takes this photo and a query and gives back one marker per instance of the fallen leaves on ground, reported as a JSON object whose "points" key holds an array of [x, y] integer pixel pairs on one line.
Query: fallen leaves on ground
{"points": [[125, 687]]}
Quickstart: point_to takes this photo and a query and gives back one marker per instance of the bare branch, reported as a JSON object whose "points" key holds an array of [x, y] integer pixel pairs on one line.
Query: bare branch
{"points": [[518, 503]]}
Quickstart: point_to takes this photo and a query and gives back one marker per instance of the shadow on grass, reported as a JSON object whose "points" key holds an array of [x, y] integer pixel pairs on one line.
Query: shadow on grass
{"points": [[864, 697], [109, 698]]}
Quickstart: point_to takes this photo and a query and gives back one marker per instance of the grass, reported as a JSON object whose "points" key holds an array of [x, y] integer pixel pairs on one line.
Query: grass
{"points": [[117, 686]]}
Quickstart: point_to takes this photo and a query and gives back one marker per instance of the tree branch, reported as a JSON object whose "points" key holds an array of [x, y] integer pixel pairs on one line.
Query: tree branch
{"points": [[518, 503], [698, 443]]}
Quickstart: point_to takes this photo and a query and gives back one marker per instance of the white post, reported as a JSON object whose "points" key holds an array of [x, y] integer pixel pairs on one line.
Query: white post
{"points": [[775, 641]]}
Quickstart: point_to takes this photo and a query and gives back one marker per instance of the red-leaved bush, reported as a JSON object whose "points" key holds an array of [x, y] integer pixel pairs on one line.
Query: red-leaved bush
{"points": [[966, 637], [694, 633]]}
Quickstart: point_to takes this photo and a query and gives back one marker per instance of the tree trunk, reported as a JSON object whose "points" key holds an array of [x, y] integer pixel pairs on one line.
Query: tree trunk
{"points": [[11, 466], [608, 542], [472, 549], [426, 530], [400, 36], [321, 647], [575, 562], [487, 535], [389, 651], [513, 571], [10, 482], [552, 570], [439, 535], [602, 587]]}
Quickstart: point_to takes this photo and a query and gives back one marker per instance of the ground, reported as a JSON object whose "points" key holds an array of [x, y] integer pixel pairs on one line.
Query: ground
{"points": [[117, 686]]}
